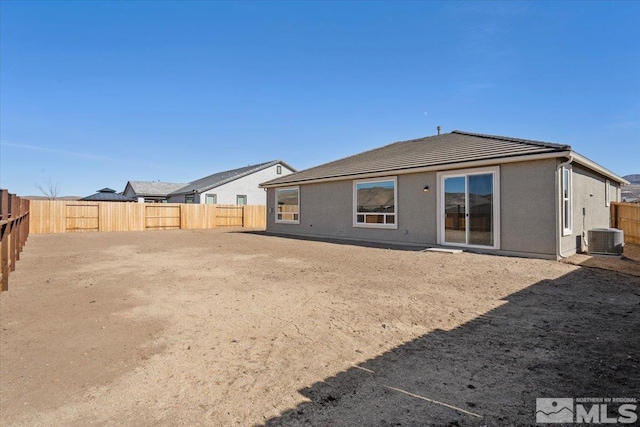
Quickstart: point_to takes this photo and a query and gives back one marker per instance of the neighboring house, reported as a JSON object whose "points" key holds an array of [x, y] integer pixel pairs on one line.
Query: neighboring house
{"points": [[107, 195], [151, 191], [487, 193], [631, 191], [233, 187]]}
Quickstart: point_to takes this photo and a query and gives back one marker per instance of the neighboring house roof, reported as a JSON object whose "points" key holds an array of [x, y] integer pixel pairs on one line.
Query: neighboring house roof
{"points": [[437, 152], [107, 195], [217, 179], [154, 188]]}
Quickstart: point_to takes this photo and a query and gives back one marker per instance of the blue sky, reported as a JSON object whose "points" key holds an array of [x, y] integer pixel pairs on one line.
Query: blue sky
{"points": [[94, 94]]}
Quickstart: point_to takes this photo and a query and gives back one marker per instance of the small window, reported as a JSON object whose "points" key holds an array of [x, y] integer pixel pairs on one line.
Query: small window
{"points": [[288, 205], [566, 201], [211, 199], [375, 203], [279, 170], [241, 199], [607, 193], [189, 198]]}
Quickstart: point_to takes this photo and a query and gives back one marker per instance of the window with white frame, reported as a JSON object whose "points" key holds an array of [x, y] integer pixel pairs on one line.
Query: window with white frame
{"points": [[211, 199], [288, 205], [607, 193], [567, 209], [374, 202], [241, 199]]}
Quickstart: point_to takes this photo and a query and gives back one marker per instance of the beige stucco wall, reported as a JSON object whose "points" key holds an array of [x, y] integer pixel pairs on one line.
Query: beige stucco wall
{"points": [[528, 207], [588, 193], [326, 211], [527, 217]]}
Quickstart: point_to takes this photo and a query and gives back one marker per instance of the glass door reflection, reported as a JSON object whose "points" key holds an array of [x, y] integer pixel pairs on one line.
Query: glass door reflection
{"points": [[480, 199], [455, 209]]}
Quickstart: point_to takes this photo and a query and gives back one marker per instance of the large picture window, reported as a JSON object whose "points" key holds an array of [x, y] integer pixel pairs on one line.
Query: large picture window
{"points": [[288, 205], [374, 202]]}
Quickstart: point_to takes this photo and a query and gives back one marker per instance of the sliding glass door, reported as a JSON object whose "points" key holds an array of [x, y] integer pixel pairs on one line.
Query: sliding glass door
{"points": [[455, 209], [480, 196], [469, 207]]}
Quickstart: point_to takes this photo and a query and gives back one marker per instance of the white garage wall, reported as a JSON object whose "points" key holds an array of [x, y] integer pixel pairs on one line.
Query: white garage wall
{"points": [[248, 185]]}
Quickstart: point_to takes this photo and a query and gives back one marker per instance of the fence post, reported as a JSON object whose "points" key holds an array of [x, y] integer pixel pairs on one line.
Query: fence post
{"points": [[27, 207], [4, 238], [16, 229], [12, 236]]}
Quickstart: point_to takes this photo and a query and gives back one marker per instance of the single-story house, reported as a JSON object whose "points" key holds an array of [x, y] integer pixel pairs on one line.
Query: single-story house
{"points": [[107, 195], [233, 187], [486, 193], [151, 191]]}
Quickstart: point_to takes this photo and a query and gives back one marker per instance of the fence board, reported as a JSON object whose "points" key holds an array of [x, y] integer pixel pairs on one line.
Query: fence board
{"points": [[49, 216], [162, 216], [198, 216], [255, 216], [82, 218], [230, 215], [122, 216], [626, 217]]}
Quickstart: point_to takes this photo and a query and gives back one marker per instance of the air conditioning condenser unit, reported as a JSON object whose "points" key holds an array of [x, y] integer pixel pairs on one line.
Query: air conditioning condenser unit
{"points": [[606, 241]]}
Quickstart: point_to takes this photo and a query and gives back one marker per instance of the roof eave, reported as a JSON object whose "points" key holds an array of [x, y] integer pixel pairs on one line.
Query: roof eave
{"points": [[441, 167], [584, 161], [236, 177]]}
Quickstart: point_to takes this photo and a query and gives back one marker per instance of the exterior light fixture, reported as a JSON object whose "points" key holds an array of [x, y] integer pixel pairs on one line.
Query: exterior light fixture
{"points": [[426, 189]]}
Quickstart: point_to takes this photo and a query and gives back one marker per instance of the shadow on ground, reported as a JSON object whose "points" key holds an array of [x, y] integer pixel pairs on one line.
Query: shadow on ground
{"points": [[359, 243], [576, 336]]}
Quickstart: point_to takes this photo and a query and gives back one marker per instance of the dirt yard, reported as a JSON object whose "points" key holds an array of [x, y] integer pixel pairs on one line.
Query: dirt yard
{"points": [[231, 328]]}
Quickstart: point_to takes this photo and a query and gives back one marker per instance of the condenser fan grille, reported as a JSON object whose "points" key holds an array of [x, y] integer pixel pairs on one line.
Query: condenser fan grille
{"points": [[606, 241]]}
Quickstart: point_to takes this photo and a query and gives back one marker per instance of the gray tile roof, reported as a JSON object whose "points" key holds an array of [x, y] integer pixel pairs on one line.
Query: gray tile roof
{"points": [[217, 179], [155, 188], [444, 149], [107, 195]]}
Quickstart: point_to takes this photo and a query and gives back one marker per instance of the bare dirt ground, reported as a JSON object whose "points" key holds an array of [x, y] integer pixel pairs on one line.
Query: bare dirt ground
{"points": [[228, 328]]}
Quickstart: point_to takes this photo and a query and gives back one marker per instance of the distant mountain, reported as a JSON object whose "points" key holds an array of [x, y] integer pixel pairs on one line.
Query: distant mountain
{"points": [[633, 178], [375, 199], [631, 192], [57, 198]]}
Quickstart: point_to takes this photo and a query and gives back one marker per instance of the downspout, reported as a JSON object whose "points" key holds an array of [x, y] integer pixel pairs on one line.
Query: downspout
{"points": [[559, 212]]}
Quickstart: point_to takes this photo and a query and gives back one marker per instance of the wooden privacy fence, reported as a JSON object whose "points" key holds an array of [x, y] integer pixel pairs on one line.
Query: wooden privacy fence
{"points": [[626, 217], [14, 223], [52, 216]]}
